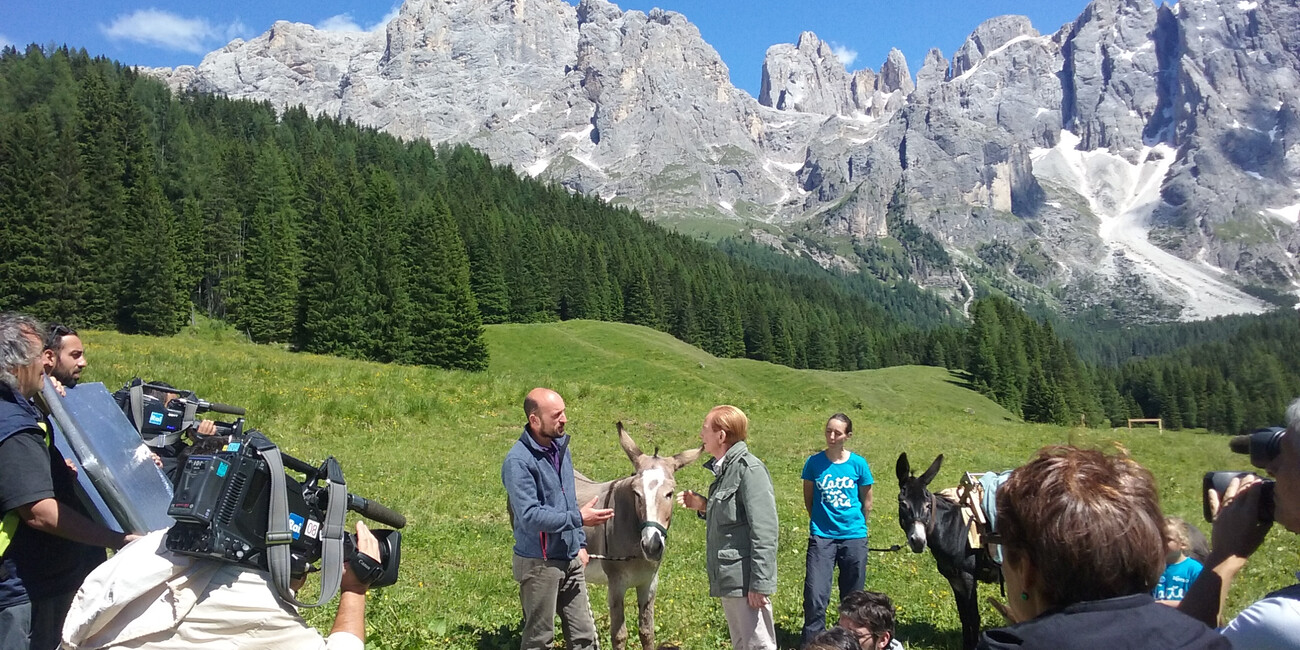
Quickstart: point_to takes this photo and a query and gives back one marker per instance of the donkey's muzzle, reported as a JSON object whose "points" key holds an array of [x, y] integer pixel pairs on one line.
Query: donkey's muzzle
{"points": [[652, 544]]}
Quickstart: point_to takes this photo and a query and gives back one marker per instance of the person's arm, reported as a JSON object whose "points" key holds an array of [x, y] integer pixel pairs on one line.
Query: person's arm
{"points": [[809, 489], [55, 518], [865, 495], [1236, 535], [351, 617], [759, 501], [28, 490], [530, 513]]}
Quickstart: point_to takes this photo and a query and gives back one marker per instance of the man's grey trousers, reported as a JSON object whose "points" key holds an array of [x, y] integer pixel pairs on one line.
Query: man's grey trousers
{"points": [[548, 587]]}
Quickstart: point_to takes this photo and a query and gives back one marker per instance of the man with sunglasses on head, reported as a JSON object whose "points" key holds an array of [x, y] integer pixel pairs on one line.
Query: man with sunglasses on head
{"points": [[64, 357]]}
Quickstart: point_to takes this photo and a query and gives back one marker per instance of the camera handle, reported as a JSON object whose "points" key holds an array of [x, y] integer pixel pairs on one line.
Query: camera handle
{"points": [[370, 509], [278, 536]]}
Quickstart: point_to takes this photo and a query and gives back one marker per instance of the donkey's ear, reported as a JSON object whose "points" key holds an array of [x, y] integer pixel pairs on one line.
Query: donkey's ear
{"points": [[686, 458], [629, 447], [902, 468], [934, 469]]}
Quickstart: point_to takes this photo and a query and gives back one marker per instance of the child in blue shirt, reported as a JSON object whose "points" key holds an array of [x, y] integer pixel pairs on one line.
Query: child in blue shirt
{"points": [[1180, 571], [837, 494]]}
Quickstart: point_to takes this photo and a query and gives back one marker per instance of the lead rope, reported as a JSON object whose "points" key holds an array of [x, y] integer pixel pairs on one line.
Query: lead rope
{"points": [[604, 532]]}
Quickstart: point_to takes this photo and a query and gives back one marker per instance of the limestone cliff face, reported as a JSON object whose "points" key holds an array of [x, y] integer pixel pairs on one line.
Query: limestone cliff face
{"points": [[1131, 142]]}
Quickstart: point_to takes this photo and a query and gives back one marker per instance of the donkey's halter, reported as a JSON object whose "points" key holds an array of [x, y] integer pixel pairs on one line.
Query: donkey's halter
{"points": [[604, 530], [655, 525], [934, 515]]}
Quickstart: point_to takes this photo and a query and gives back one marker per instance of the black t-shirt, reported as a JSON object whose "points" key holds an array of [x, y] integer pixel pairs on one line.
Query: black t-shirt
{"points": [[38, 564]]}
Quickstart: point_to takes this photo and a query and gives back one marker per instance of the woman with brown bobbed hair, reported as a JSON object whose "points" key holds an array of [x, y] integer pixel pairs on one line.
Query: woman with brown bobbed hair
{"points": [[1083, 546]]}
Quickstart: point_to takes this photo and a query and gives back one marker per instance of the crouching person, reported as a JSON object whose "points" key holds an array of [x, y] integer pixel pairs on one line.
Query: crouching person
{"points": [[148, 598]]}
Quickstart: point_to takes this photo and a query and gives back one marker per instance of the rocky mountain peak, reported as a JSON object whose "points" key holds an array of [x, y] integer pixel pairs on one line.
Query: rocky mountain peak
{"points": [[934, 70], [989, 36], [894, 75], [805, 77]]}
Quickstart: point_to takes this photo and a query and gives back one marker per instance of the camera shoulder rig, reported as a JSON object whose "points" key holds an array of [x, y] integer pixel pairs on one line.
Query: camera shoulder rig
{"points": [[279, 537]]}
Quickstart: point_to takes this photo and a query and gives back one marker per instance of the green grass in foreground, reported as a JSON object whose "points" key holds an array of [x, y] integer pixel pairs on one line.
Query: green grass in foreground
{"points": [[429, 443]]}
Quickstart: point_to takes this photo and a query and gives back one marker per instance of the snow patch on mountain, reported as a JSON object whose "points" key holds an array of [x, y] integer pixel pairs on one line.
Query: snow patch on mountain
{"points": [[1122, 195]]}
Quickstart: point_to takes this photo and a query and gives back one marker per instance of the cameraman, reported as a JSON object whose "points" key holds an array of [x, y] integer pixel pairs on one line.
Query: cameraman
{"points": [[166, 447], [1274, 621], [148, 598]]}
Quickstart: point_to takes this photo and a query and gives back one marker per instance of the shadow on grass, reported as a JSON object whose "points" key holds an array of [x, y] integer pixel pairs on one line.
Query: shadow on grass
{"points": [[504, 637], [961, 379], [510, 637], [923, 633], [788, 637]]}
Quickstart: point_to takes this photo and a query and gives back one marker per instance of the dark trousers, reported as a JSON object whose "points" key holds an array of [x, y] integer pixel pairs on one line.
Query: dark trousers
{"points": [[824, 554], [47, 620], [16, 627], [35, 625], [550, 587]]}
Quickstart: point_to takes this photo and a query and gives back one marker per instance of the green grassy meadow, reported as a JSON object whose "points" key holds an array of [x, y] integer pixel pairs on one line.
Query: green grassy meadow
{"points": [[429, 443]]}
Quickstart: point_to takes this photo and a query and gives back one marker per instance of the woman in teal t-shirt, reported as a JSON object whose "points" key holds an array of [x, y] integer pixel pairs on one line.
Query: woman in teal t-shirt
{"points": [[837, 495]]}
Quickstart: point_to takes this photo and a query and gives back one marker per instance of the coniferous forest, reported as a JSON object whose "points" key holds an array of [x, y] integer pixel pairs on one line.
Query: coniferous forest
{"points": [[125, 207]]}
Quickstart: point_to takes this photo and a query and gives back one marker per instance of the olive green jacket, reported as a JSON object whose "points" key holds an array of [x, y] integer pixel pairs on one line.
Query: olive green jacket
{"points": [[742, 527]]}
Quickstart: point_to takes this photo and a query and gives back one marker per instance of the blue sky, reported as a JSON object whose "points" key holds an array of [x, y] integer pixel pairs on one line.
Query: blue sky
{"points": [[171, 32]]}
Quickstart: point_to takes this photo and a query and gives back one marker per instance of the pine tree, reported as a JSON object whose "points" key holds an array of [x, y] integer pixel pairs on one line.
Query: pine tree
{"points": [[445, 326], [334, 297], [389, 318]]}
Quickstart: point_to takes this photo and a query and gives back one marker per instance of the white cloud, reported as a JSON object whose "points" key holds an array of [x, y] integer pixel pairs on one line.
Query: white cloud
{"points": [[339, 23], [5, 42], [388, 17], [169, 31], [844, 53], [346, 23], [236, 29]]}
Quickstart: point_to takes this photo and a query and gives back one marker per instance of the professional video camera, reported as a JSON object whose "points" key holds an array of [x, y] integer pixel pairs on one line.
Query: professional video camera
{"points": [[1263, 445], [234, 502], [160, 421]]}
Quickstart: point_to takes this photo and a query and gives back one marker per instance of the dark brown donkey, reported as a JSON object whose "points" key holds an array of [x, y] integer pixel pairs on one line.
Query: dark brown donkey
{"points": [[627, 549], [936, 522]]}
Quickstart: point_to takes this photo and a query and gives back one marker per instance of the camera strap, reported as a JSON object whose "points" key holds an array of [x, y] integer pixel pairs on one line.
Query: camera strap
{"points": [[137, 405], [279, 537]]}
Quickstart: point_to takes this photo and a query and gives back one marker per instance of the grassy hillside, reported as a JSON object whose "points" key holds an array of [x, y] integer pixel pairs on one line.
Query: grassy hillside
{"points": [[429, 443]]}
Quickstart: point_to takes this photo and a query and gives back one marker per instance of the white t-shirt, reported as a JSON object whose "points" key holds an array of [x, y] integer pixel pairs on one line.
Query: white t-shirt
{"points": [[1269, 624]]}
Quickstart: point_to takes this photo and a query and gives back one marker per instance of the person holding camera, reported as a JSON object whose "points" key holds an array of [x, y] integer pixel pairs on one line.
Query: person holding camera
{"points": [[165, 445], [49, 542], [149, 598], [1241, 520]]}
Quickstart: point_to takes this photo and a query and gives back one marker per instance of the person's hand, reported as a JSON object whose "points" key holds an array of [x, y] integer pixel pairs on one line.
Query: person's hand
{"points": [[756, 600], [593, 516], [368, 544], [691, 500], [1237, 529], [583, 557], [157, 460], [207, 428], [58, 386]]}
